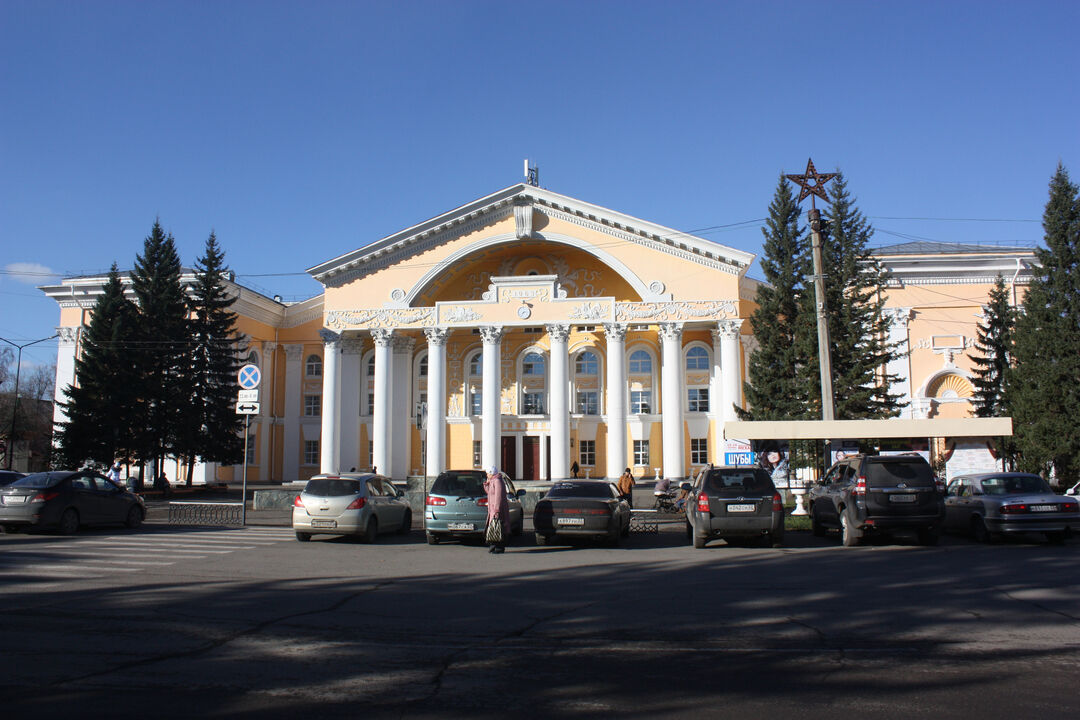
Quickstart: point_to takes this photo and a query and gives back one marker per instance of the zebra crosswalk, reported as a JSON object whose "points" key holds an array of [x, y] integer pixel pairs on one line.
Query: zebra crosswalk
{"points": [[49, 559]]}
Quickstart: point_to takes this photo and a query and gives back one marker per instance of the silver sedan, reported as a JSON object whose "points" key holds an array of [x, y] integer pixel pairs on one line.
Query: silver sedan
{"points": [[992, 504]]}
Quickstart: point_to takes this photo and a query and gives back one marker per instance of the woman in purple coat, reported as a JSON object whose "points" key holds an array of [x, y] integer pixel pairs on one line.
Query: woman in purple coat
{"points": [[497, 507]]}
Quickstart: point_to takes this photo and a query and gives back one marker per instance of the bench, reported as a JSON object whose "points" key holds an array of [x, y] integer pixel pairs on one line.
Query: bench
{"points": [[206, 513]]}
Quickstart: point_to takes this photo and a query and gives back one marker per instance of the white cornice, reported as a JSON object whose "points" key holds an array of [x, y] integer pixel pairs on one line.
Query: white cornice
{"points": [[494, 207]]}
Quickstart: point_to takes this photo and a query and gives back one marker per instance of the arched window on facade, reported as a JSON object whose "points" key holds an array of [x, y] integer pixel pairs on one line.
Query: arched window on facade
{"points": [[697, 379], [313, 366], [533, 383], [420, 392], [474, 385], [367, 404], [587, 383], [641, 383], [253, 358]]}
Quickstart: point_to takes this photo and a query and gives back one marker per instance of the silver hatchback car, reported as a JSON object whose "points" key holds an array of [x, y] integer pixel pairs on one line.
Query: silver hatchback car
{"points": [[350, 504]]}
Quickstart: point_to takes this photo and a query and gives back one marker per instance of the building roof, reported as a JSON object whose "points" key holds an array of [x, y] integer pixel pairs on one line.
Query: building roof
{"points": [[925, 247]]}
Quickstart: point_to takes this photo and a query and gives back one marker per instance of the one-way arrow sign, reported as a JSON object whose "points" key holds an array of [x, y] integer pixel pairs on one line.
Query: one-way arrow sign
{"points": [[247, 408]]}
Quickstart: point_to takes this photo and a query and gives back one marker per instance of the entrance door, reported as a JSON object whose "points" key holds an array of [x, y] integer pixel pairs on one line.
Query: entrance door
{"points": [[509, 456], [530, 457]]}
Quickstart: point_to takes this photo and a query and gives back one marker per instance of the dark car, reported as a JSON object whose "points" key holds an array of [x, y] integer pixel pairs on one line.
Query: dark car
{"points": [[734, 502], [456, 506], [865, 494], [991, 504], [9, 476], [66, 500], [581, 509]]}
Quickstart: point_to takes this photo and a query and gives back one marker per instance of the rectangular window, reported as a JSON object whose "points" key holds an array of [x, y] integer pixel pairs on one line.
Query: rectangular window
{"points": [[312, 405], [371, 401], [477, 401], [371, 452], [532, 404], [587, 452], [476, 448], [640, 402], [699, 451], [698, 399], [641, 452], [311, 452], [588, 402]]}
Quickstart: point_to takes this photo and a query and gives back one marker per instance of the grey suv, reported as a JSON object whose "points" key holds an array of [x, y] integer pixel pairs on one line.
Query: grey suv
{"points": [[734, 502], [862, 494]]}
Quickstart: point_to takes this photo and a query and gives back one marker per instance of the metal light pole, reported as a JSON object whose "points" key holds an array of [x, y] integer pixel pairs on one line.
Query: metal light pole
{"points": [[813, 183], [15, 405]]}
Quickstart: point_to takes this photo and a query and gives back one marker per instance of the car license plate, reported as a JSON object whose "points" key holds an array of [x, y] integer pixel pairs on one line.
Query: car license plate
{"points": [[903, 498], [1043, 508], [324, 523], [460, 526], [570, 521], [741, 507], [14, 499]]}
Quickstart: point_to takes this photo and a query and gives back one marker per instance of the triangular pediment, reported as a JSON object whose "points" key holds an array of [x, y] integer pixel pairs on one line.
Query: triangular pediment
{"points": [[411, 241]]}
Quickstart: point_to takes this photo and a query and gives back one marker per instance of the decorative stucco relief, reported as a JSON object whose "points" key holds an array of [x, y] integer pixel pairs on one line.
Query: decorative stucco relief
{"points": [[591, 311], [386, 317], [461, 314], [668, 311]]}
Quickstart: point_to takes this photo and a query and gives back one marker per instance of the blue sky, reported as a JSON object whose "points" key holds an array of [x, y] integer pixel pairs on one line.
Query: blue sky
{"points": [[301, 131]]}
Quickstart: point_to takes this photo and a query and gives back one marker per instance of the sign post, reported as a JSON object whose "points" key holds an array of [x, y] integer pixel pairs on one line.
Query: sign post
{"points": [[247, 404]]}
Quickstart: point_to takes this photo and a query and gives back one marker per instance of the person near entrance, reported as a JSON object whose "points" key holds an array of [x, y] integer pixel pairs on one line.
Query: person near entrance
{"points": [[574, 469], [626, 487], [498, 511]]}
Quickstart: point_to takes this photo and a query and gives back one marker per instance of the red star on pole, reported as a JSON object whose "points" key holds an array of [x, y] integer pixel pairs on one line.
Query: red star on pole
{"points": [[812, 182]]}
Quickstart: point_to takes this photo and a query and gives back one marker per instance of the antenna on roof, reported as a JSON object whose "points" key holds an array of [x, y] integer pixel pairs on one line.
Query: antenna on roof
{"points": [[532, 174]]}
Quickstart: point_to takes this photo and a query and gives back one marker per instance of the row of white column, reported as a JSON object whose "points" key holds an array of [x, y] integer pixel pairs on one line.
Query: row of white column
{"points": [[389, 443]]}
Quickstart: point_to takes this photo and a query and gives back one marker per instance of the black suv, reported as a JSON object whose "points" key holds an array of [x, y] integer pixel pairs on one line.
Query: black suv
{"points": [[734, 502], [878, 493]]}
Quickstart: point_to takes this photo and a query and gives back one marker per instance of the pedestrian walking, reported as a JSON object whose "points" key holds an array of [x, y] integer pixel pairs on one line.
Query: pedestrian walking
{"points": [[498, 522], [574, 469], [626, 487]]}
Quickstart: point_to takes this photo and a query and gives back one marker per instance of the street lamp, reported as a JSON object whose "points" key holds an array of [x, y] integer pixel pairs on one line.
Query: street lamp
{"points": [[15, 405]]}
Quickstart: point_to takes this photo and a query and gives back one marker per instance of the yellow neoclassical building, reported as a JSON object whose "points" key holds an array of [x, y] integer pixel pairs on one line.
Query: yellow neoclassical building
{"points": [[537, 332]]}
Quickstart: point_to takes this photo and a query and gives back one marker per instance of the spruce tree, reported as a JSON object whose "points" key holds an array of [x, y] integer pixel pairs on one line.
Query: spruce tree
{"points": [[100, 405], [215, 430], [1043, 386], [162, 354], [858, 326], [993, 352], [775, 390]]}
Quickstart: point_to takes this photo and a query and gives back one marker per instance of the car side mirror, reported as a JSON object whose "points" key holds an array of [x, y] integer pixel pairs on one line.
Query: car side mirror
{"points": [[519, 494]]}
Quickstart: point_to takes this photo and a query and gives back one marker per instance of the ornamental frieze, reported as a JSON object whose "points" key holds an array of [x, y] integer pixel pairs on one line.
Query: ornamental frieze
{"points": [[668, 311], [384, 317]]}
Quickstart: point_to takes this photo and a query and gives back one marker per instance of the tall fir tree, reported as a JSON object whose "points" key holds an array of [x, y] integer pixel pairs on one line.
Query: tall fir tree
{"points": [[1042, 389], [858, 326], [215, 430], [101, 404], [775, 390], [162, 354], [992, 354]]}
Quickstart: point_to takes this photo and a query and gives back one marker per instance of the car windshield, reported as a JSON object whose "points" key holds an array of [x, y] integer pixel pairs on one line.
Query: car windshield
{"points": [[40, 480], [890, 472], [580, 490], [459, 484], [744, 480], [1007, 485], [332, 487]]}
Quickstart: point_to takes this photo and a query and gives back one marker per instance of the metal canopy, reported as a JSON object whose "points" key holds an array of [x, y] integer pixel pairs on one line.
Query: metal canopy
{"points": [[859, 429]]}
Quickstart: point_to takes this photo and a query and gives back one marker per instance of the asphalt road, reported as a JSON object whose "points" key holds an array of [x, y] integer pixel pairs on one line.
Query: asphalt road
{"points": [[168, 622]]}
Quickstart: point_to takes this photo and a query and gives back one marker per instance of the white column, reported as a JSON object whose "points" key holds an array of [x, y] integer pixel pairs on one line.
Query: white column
{"points": [[616, 399], [671, 378], [380, 421], [65, 370], [716, 395], [401, 409], [491, 402], [351, 348], [730, 368], [900, 367], [290, 470], [559, 410], [329, 448], [436, 400], [266, 419]]}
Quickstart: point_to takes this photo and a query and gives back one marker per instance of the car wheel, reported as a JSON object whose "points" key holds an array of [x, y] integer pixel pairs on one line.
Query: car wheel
{"points": [[815, 525], [69, 522], [134, 517], [406, 523], [849, 536], [303, 536], [776, 539], [929, 536], [371, 530], [689, 532], [625, 532], [542, 539], [979, 531], [1056, 537], [518, 529], [432, 539], [699, 542]]}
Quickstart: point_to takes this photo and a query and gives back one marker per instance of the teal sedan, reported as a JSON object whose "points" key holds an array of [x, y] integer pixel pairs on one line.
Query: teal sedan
{"points": [[456, 507]]}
